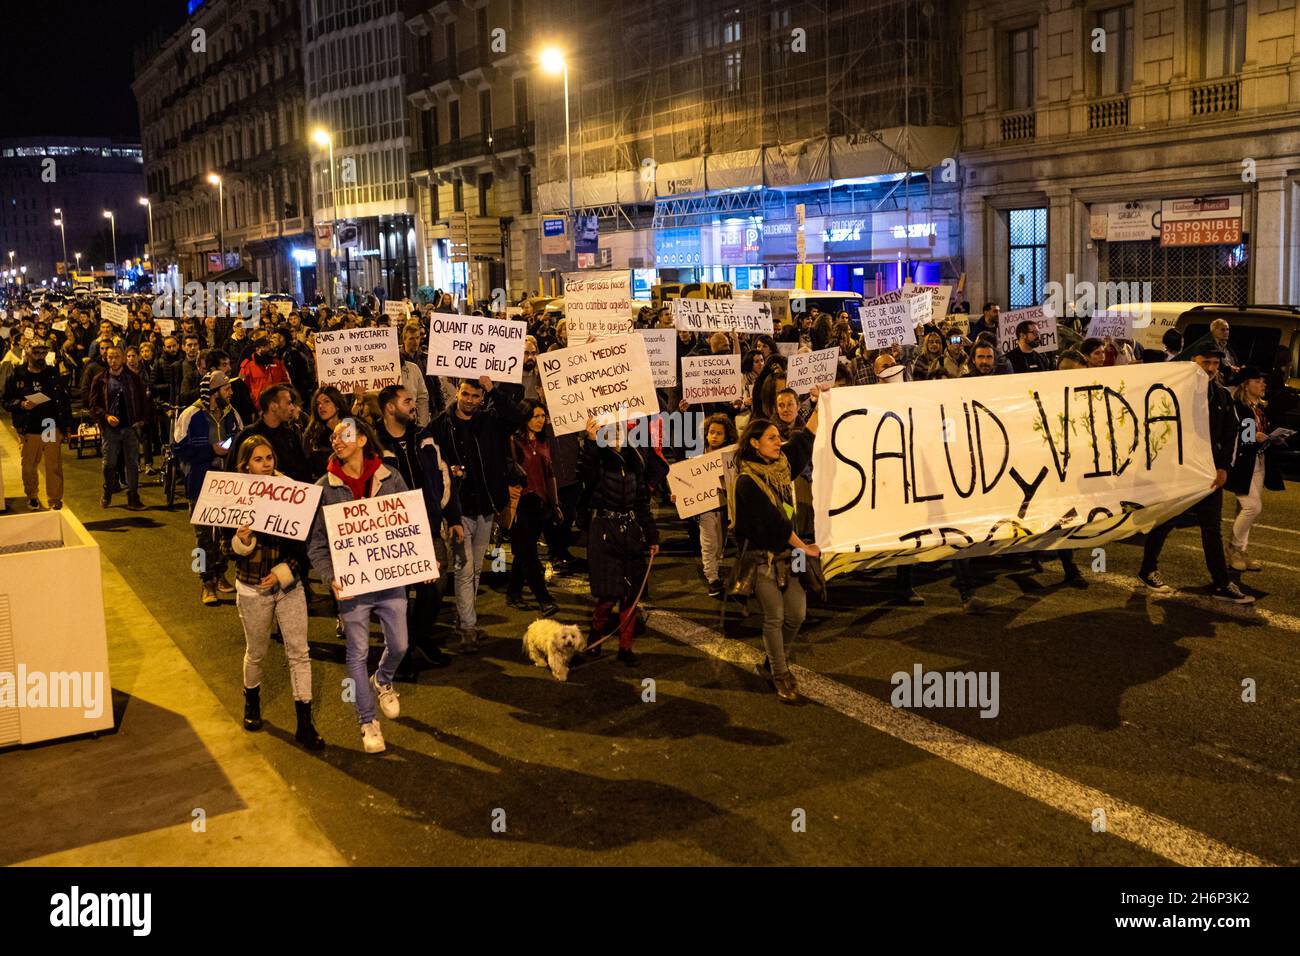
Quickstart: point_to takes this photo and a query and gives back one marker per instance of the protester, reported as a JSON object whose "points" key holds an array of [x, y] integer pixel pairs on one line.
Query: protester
{"points": [[719, 431], [328, 408], [268, 575], [279, 405], [1023, 358], [1256, 467], [209, 439], [261, 370], [118, 403], [539, 503], [355, 472], [42, 417]]}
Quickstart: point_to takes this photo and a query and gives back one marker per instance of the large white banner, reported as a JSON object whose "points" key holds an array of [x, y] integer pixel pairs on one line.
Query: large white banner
{"points": [[462, 346], [380, 543], [807, 369], [1042, 318], [979, 466], [661, 350], [596, 305], [269, 503], [365, 357], [722, 315], [608, 380], [698, 483], [711, 378]]}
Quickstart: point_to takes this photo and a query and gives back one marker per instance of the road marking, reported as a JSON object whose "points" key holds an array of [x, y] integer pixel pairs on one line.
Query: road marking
{"points": [[1269, 564], [1150, 831], [1244, 612], [1266, 527]]}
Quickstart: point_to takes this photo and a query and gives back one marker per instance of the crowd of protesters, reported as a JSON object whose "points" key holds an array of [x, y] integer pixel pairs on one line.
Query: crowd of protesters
{"points": [[229, 393]]}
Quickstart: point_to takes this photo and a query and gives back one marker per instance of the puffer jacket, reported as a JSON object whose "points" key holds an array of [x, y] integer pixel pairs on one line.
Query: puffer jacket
{"points": [[385, 481]]}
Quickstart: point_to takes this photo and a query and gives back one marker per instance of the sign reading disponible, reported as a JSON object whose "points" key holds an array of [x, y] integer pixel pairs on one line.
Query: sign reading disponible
{"points": [[607, 380], [711, 378], [365, 357], [596, 305], [807, 369], [697, 483], [722, 315], [267, 503], [471, 346], [380, 543], [1007, 463]]}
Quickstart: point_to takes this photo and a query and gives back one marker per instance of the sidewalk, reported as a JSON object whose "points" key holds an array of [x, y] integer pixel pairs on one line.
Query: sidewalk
{"points": [[130, 797]]}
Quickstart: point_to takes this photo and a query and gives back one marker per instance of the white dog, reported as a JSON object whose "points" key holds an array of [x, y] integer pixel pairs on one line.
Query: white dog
{"points": [[552, 644]]}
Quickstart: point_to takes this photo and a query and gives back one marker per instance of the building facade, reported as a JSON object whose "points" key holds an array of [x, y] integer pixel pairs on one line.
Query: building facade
{"points": [[222, 98], [81, 178], [355, 53], [1149, 141]]}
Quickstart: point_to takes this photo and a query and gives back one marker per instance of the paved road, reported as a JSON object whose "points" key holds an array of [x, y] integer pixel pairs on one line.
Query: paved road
{"points": [[1110, 702]]}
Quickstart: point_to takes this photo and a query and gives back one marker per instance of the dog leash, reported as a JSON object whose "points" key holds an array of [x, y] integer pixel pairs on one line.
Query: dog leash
{"points": [[623, 615]]}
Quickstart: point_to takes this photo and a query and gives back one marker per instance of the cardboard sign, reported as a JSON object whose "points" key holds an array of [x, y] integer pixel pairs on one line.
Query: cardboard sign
{"points": [[380, 543], [699, 483], [596, 306], [1045, 320], [936, 470], [887, 320], [608, 380], [60, 326], [365, 357], [711, 378], [282, 307], [942, 298], [269, 503], [661, 350], [471, 346], [397, 310], [807, 369], [114, 312], [1114, 324], [722, 315], [165, 326]]}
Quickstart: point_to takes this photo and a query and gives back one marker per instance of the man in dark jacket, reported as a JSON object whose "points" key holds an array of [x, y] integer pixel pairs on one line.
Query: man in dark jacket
{"points": [[119, 404], [474, 433], [1024, 358], [279, 405], [41, 424], [1209, 510]]}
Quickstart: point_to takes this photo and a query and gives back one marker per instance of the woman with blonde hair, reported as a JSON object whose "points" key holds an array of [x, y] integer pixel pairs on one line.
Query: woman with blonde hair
{"points": [[929, 364], [1256, 467]]}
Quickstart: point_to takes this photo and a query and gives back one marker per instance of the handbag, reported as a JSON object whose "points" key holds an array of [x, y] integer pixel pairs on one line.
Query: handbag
{"points": [[745, 574], [812, 577]]}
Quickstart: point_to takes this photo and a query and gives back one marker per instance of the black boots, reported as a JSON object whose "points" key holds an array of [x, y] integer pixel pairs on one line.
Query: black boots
{"points": [[252, 708], [306, 733]]}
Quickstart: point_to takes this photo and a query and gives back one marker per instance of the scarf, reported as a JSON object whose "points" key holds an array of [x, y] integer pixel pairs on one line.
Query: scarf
{"points": [[772, 477], [357, 486]]}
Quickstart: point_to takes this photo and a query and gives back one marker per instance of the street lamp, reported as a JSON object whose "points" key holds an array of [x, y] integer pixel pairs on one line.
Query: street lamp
{"points": [[554, 62], [215, 180], [112, 221], [64, 235], [144, 201], [78, 255], [321, 137]]}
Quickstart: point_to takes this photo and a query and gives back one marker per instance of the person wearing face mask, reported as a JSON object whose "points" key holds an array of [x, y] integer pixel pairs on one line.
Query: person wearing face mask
{"points": [[262, 368]]}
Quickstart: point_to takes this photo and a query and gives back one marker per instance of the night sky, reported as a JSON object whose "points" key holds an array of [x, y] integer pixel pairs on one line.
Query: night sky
{"points": [[66, 67]]}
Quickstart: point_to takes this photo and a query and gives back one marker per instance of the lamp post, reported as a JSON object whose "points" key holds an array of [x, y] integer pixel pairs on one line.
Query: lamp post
{"points": [[554, 61], [112, 221], [78, 255], [215, 180], [144, 201], [321, 137], [64, 235]]}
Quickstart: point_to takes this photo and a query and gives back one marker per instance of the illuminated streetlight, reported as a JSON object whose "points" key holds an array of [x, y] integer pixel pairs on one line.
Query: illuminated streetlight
{"points": [[555, 62], [64, 236], [215, 180], [112, 219], [321, 137]]}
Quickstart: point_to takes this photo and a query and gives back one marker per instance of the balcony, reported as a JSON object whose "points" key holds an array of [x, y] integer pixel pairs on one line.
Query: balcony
{"points": [[1215, 96], [1108, 113], [500, 141], [1019, 126]]}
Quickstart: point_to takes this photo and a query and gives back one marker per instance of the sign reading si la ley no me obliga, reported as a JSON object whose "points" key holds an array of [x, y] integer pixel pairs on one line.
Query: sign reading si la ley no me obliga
{"points": [[608, 380], [380, 543], [351, 357], [1007, 463], [722, 315], [472, 346], [267, 503]]}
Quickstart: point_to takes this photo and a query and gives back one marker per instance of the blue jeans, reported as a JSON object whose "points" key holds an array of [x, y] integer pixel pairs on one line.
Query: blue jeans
{"points": [[469, 565], [390, 607], [121, 443]]}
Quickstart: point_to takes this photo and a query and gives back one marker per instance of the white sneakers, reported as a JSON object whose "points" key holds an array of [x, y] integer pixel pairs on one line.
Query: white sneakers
{"points": [[372, 738], [1240, 561], [387, 698]]}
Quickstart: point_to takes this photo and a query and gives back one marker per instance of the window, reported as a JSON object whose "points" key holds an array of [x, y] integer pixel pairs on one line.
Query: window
{"points": [[484, 34], [485, 113], [1225, 37], [449, 44], [521, 102], [484, 187], [1114, 66], [525, 189], [1027, 262], [453, 121], [1022, 52], [458, 196], [732, 64]]}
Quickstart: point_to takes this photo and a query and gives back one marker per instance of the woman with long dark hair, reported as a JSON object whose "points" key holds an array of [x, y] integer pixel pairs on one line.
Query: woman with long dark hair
{"points": [[761, 504], [269, 570], [328, 408], [539, 503]]}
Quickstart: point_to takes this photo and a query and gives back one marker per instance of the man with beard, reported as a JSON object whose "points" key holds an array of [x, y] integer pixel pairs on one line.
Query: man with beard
{"points": [[984, 360], [262, 369], [279, 405], [191, 371]]}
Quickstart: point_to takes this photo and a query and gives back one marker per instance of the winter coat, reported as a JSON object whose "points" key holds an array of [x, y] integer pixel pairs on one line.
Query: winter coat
{"points": [[23, 382], [137, 400], [488, 436], [622, 526], [385, 481], [258, 377], [196, 449], [441, 496], [759, 522], [1242, 472]]}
